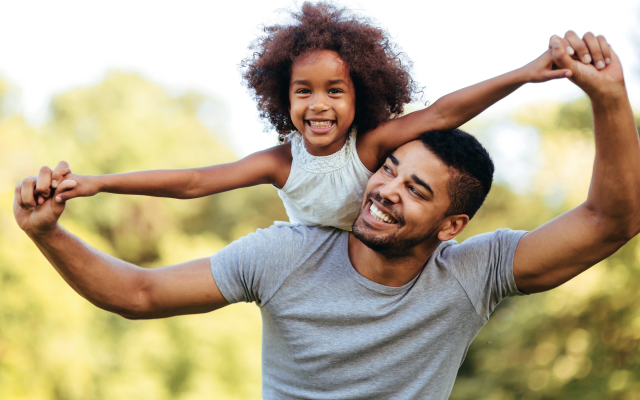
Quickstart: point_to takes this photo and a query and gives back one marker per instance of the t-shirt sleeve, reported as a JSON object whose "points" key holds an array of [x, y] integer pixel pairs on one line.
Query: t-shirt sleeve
{"points": [[483, 265], [252, 268]]}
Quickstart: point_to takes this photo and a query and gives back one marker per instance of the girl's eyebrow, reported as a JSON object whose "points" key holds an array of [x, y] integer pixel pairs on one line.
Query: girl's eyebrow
{"points": [[300, 82], [336, 81]]}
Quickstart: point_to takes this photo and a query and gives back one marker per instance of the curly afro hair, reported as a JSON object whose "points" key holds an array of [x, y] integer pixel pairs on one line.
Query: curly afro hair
{"points": [[379, 71]]}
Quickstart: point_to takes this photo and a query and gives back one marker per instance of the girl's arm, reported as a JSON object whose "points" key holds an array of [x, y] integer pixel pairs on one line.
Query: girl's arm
{"points": [[452, 110], [270, 166]]}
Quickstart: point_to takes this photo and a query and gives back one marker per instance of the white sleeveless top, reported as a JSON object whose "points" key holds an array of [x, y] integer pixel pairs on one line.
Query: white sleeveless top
{"points": [[324, 191]]}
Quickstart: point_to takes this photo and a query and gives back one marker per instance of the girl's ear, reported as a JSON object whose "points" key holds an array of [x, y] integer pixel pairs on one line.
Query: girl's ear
{"points": [[452, 226]]}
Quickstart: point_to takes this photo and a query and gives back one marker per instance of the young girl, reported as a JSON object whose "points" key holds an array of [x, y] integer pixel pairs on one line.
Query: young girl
{"points": [[333, 87]]}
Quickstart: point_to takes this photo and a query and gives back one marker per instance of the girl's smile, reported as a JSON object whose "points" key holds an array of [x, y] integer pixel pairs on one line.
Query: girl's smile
{"points": [[322, 101]]}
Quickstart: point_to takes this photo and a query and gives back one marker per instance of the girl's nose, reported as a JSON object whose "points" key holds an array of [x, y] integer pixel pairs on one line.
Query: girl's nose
{"points": [[318, 104]]}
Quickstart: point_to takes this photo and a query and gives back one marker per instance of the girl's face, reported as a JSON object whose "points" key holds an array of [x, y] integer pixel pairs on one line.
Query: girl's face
{"points": [[322, 101]]}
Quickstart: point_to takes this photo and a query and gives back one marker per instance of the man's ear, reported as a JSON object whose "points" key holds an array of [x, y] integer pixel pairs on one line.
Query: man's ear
{"points": [[452, 226]]}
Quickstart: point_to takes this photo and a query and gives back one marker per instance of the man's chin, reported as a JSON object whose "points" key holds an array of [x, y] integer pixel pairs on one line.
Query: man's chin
{"points": [[378, 242], [388, 244]]}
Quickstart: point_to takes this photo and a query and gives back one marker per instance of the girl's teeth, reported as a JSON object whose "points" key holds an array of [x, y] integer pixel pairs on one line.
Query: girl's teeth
{"points": [[323, 124]]}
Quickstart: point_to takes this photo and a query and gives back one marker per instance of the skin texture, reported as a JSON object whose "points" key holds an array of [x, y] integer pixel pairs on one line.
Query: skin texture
{"points": [[547, 257], [320, 88], [418, 225]]}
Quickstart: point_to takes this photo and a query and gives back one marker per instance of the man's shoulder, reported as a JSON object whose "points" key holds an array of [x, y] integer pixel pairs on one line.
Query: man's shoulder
{"points": [[289, 236], [481, 243]]}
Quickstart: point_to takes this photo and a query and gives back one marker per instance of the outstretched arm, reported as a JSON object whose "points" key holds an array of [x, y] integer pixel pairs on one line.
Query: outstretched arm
{"points": [[107, 282], [569, 244], [266, 167], [454, 109]]}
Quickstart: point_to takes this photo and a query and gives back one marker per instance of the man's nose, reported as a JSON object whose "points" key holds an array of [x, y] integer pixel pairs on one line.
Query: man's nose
{"points": [[391, 191]]}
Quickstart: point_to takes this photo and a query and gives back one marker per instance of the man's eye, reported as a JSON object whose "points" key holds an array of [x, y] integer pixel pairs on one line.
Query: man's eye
{"points": [[415, 191]]}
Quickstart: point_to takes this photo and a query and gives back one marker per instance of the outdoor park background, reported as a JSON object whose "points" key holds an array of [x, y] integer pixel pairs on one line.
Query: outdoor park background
{"points": [[581, 340]]}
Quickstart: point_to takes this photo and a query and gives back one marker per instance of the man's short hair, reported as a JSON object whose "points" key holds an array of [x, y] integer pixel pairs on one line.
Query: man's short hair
{"points": [[471, 168]]}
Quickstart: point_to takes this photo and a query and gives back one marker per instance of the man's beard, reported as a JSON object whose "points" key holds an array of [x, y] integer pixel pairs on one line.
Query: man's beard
{"points": [[389, 246]]}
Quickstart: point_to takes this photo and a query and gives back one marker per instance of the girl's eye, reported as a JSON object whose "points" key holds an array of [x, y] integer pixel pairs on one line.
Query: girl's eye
{"points": [[335, 91], [386, 169], [303, 91]]}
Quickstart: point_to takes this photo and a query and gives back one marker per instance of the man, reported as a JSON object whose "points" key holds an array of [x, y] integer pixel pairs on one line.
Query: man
{"points": [[390, 310]]}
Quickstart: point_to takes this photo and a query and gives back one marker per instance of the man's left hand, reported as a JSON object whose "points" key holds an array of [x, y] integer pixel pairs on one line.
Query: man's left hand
{"points": [[595, 68]]}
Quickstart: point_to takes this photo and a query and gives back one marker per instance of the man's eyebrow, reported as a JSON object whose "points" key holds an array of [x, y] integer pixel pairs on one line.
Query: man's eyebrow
{"points": [[422, 183], [415, 177]]}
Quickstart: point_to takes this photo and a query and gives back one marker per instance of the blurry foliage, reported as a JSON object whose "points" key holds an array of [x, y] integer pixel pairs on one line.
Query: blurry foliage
{"points": [[581, 340], [54, 344], [578, 341]]}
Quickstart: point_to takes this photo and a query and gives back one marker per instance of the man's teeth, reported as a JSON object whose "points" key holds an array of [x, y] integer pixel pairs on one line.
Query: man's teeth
{"points": [[376, 213], [321, 124]]}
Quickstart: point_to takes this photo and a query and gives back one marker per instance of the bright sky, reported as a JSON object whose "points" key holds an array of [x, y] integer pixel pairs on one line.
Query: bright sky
{"points": [[48, 47]]}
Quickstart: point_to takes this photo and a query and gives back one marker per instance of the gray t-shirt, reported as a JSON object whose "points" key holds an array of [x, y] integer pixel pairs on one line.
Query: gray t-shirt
{"points": [[330, 333]]}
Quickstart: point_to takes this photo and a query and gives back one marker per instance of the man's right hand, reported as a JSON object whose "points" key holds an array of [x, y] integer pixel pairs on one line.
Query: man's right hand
{"points": [[36, 205]]}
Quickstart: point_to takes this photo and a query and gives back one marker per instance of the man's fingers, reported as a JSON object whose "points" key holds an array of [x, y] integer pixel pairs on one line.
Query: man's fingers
{"points": [[59, 173], [27, 193], [606, 49], [65, 191], [594, 48], [43, 184], [582, 51], [18, 195]]}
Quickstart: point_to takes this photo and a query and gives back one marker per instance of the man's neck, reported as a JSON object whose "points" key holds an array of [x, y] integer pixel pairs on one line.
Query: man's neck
{"points": [[396, 271]]}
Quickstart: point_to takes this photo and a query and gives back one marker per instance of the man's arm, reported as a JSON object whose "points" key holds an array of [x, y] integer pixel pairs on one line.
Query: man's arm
{"points": [[107, 282], [571, 243]]}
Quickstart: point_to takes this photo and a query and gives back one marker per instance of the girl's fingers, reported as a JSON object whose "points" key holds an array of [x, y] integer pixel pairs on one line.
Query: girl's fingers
{"points": [[65, 191], [594, 48], [606, 49], [580, 47], [561, 58], [557, 74], [59, 173], [43, 184]]}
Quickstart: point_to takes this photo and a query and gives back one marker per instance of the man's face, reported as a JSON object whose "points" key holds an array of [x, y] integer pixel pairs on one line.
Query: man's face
{"points": [[405, 201]]}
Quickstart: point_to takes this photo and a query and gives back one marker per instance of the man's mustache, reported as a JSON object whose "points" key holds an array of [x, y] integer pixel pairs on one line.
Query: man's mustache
{"points": [[375, 195]]}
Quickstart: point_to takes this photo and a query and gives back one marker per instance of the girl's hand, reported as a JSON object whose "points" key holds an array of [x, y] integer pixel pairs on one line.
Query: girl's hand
{"points": [[543, 69], [64, 184]]}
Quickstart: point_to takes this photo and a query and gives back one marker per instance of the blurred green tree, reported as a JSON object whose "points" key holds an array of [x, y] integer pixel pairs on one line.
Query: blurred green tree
{"points": [[578, 341], [54, 344]]}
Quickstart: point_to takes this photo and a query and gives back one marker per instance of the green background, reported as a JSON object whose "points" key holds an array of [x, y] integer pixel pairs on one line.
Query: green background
{"points": [[579, 341]]}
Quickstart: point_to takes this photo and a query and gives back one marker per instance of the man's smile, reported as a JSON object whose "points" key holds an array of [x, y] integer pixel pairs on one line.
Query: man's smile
{"points": [[376, 213]]}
